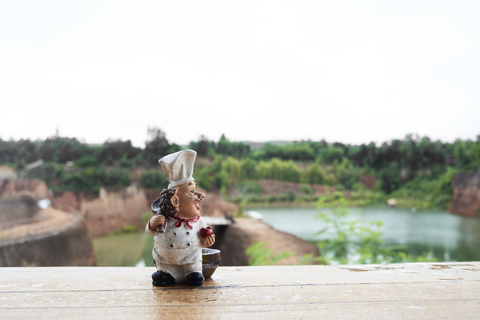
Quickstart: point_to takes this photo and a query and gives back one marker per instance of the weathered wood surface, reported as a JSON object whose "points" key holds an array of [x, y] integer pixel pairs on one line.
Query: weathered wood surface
{"points": [[399, 291]]}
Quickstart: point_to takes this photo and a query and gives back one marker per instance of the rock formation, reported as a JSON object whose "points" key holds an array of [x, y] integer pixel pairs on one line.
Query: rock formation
{"points": [[466, 194], [33, 237], [69, 247], [113, 209], [18, 206], [37, 187]]}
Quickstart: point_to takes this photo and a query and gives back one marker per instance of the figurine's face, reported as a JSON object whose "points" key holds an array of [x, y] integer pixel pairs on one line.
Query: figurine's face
{"points": [[186, 200]]}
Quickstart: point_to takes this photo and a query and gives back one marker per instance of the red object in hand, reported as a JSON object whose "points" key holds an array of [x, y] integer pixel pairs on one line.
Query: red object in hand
{"points": [[206, 232]]}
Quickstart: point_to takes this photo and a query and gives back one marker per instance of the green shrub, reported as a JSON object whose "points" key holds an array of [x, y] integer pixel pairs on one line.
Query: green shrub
{"points": [[92, 179], [204, 178], [248, 187], [86, 161], [287, 196], [315, 174], [153, 180], [52, 173], [124, 162], [254, 199], [271, 198], [347, 174], [306, 189], [222, 181], [261, 255], [390, 178], [88, 180], [277, 169], [117, 177], [306, 198]]}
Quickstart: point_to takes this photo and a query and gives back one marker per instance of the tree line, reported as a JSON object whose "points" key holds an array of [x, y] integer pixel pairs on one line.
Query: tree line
{"points": [[397, 163]]}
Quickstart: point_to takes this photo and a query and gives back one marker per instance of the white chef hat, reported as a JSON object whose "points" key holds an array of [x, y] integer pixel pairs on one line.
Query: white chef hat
{"points": [[178, 167]]}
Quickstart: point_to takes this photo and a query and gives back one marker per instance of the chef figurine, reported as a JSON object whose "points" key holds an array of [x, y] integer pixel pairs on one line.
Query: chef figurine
{"points": [[178, 229]]}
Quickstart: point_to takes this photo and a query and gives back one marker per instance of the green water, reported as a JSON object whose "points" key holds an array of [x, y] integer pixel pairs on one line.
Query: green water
{"points": [[448, 237], [130, 249]]}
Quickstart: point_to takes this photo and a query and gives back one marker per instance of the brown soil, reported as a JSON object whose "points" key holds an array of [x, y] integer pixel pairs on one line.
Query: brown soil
{"points": [[114, 209], [66, 201], [275, 187], [49, 220], [278, 241], [368, 181], [246, 231], [278, 187], [37, 187], [466, 194]]}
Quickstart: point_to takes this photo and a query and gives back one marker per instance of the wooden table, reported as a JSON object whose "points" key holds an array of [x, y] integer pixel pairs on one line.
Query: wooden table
{"points": [[398, 291]]}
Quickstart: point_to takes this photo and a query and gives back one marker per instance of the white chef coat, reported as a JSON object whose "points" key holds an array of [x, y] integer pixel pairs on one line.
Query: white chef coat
{"points": [[178, 246]]}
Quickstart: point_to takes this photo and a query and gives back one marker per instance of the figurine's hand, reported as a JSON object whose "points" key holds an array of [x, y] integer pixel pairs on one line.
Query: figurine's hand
{"points": [[156, 221], [207, 242]]}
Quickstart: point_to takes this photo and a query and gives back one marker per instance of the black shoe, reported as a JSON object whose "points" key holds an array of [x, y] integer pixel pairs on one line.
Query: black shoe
{"points": [[161, 279], [194, 279]]}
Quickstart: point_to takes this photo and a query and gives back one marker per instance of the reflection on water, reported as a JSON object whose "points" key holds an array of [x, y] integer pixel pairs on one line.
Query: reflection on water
{"points": [[448, 237]]}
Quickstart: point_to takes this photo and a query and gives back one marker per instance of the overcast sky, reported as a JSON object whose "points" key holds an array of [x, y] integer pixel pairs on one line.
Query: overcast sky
{"points": [[347, 71]]}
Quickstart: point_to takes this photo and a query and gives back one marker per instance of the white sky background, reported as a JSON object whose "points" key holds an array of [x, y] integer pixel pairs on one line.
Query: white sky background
{"points": [[347, 71]]}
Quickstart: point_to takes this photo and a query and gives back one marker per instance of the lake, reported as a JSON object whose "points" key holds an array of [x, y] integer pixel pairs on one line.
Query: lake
{"points": [[448, 237]]}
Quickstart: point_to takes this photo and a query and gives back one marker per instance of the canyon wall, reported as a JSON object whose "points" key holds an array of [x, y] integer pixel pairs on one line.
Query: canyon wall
{"points": [[466, 194], [113, 209], [37, 187], [71, 247]]}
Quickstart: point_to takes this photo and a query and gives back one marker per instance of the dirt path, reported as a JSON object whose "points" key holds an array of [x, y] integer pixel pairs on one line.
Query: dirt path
{"points": [[248, 231], [53, 220]]}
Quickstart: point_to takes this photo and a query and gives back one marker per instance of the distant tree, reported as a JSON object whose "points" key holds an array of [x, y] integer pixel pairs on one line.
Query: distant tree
{"points": [[390, 178], [86, 161], [25, 153], [277, 169], [461, 153], [202, 146], [315, 174], [50, 172], [347, 174], [7, 151], [117, 177], [474, 153], [222, 181], [232, 167], [204, 177], [113, 150], [271, 150], [298, 151], [58, 149], [235, 149], [333, 153], [87, 180], [153, 180], [174, 148], [248, 168], [223, 146], [156, 146]]}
